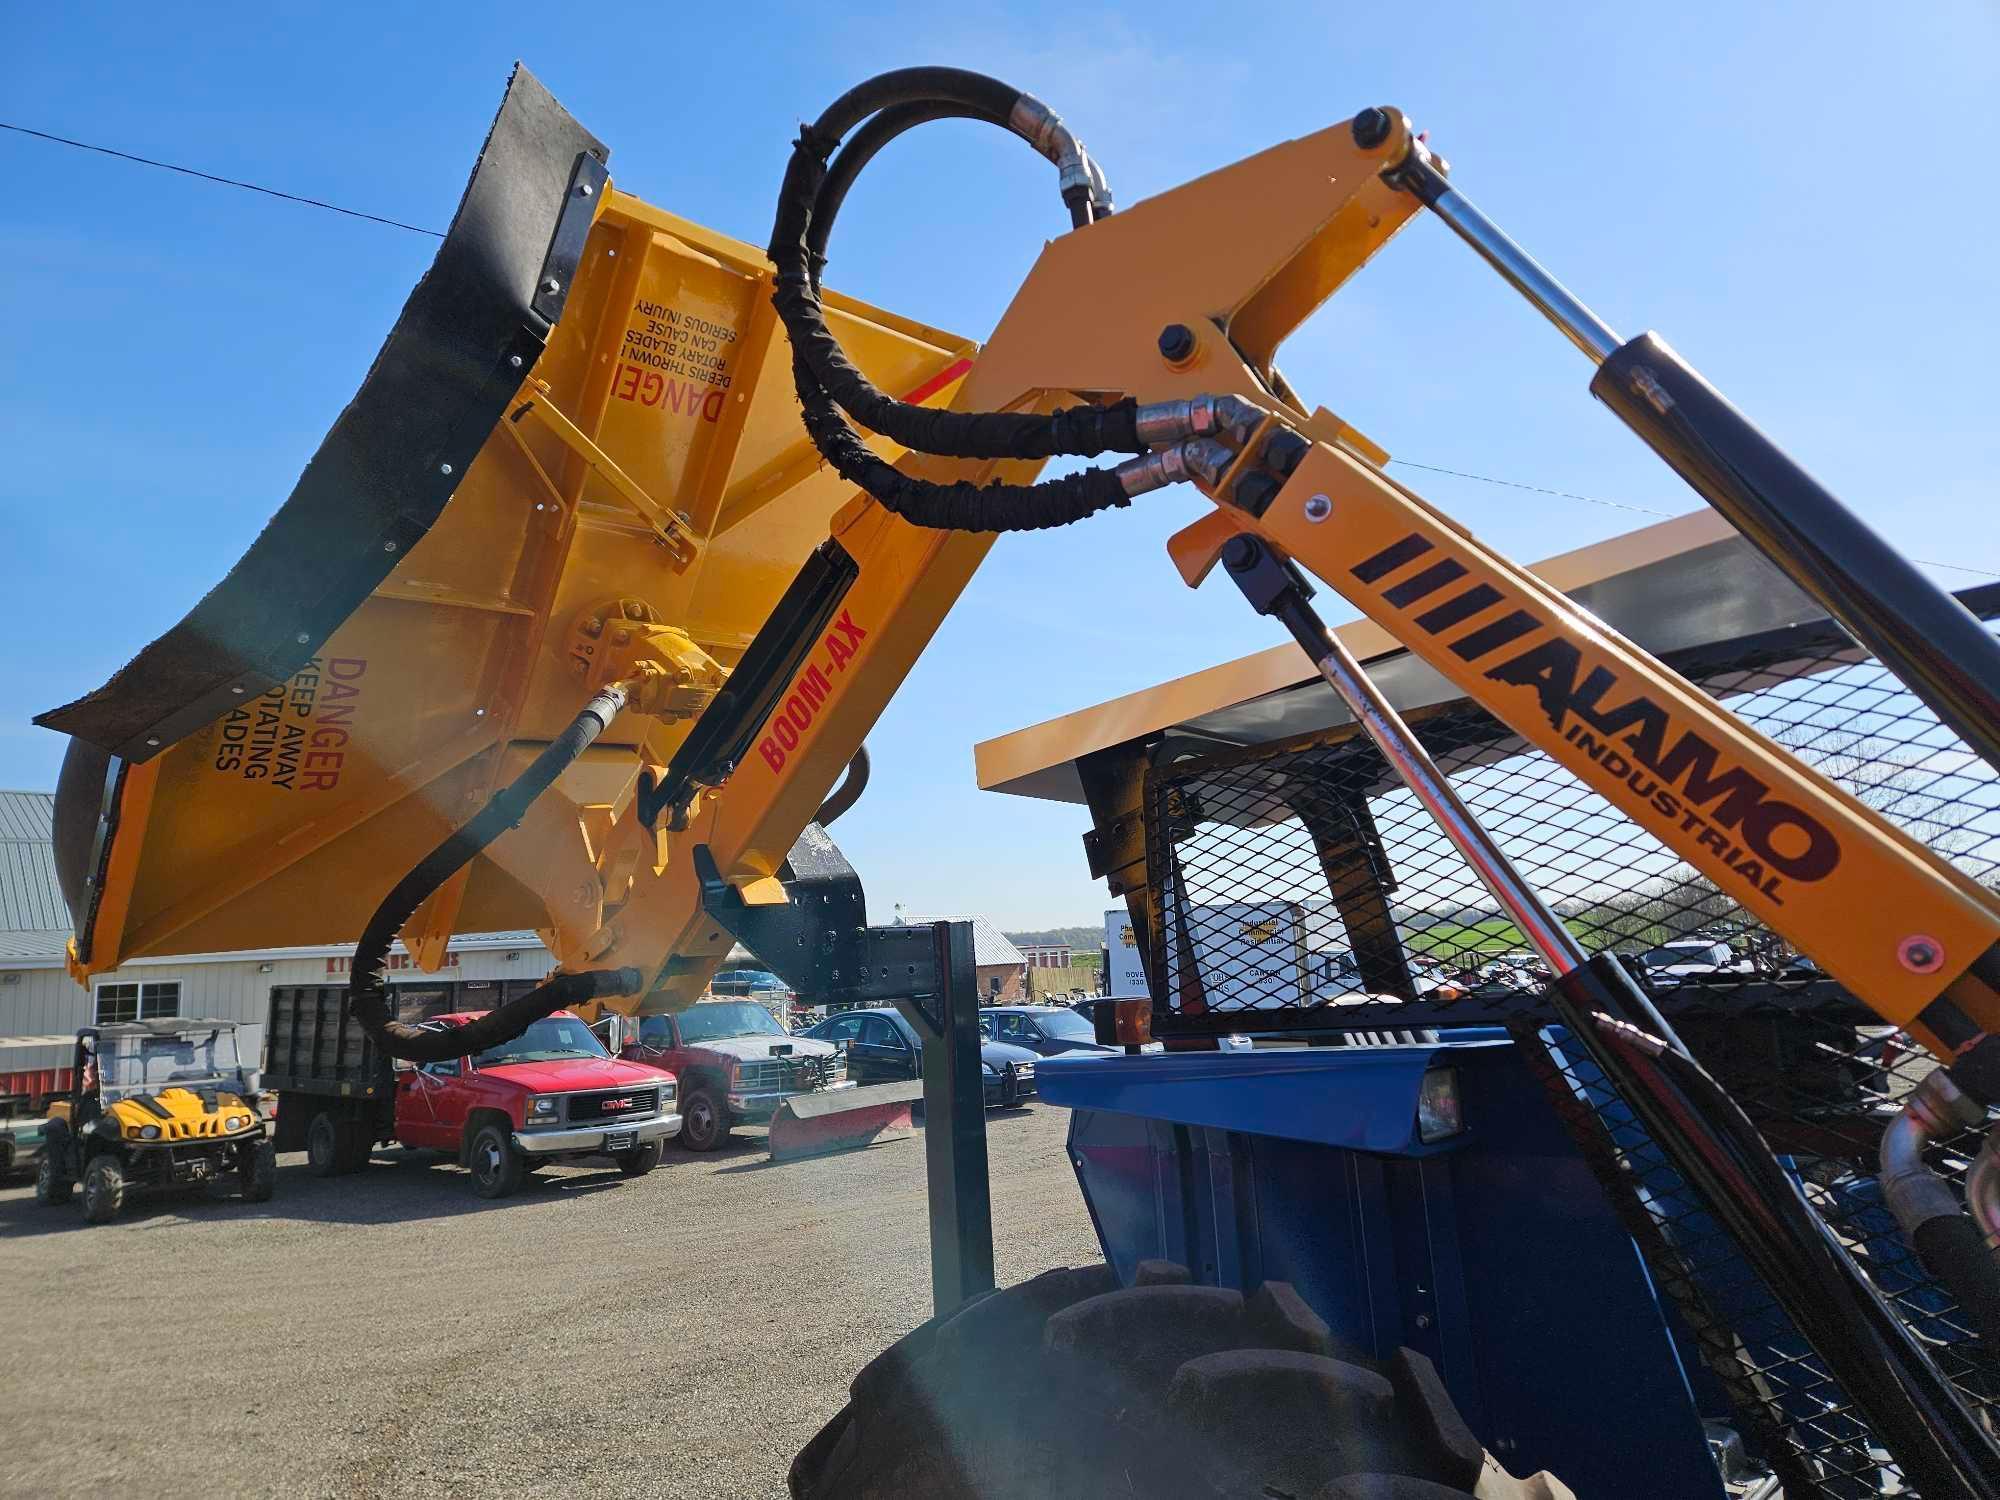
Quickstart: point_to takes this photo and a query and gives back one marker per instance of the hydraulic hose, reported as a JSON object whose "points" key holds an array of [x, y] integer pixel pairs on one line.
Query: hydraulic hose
{"points": [[827, 381], [367, 986], [844, 796], [860, 149]]}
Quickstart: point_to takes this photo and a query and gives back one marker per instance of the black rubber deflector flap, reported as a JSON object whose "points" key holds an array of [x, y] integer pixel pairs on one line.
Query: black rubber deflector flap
{"points": [[391, 460]]}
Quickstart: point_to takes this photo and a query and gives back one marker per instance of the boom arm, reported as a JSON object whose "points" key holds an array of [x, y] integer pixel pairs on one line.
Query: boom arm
{"points": [[1254, 249]]}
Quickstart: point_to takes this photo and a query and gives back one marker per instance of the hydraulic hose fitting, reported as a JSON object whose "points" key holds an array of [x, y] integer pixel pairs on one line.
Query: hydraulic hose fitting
{"points": [[1079, 178], [1913, 1192], [1153, 471], [1207, 460], [1163, 422]]}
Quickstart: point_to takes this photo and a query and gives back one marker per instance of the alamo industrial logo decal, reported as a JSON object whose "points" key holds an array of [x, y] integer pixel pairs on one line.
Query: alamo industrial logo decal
{"points": [[1685, 779]]}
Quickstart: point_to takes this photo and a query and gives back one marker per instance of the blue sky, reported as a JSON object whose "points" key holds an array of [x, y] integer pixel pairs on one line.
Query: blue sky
{"points": [[1789, 193]]}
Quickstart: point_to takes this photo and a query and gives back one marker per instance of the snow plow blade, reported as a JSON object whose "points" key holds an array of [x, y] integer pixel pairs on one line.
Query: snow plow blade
{"points": [[843, 1119], [584, 416]]}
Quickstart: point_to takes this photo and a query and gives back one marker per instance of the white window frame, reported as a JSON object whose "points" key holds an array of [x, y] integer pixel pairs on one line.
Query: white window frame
{"points": [[167, 991]]}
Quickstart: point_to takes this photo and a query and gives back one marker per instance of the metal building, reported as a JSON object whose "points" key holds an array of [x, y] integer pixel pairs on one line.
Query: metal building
{"points": [[41, 1007]]}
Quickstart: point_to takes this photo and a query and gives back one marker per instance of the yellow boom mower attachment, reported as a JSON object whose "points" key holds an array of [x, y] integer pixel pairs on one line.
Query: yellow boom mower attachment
{"points": [[576, 462]]}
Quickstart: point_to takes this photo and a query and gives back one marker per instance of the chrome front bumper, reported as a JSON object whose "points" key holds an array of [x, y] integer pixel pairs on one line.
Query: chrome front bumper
{"points": [[756, 1107], [591, 1137]]}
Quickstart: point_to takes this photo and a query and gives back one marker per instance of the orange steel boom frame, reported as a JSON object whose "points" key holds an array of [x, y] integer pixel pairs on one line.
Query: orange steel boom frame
{"points": [[1241, 257]]}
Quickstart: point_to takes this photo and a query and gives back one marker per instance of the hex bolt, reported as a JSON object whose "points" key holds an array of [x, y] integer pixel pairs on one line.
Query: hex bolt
{"points": [[1318, 508], [479, 713], [152, 742], [1255, 492], [444, 468], [303, 637], [1371, 128], [551, 286], [388, 546], [1283, 452], [236, 690], [514, 360], [583, 190], [1176, 342]]}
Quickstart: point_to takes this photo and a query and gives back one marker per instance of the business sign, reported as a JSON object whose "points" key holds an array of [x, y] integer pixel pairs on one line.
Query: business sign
{"points": [[1126, 968]]}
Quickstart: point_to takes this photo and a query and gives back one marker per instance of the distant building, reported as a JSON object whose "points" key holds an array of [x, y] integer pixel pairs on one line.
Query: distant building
{"points": [[1003, 968], [1045, 955]]}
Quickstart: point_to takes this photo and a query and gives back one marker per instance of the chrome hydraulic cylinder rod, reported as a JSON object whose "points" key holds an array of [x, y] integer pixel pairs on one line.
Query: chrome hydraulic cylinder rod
{"points": [[1273, 588]]}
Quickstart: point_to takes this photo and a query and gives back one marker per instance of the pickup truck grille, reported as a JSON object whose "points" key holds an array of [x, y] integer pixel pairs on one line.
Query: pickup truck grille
{"points": [[614, 1104], [791, 1074]]}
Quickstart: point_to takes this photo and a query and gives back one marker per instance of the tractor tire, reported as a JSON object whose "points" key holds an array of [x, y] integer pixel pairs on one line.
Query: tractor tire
{"points": [[51, 1187], [1068, 1385], [638, 1161], [497, 1168], [260, 1172], [323, 1145], [103, 1189], [704, 1120]]}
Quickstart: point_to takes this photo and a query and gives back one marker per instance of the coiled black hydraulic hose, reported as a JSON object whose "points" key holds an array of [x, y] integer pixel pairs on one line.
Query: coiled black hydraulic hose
{"points": [[367, 987], [828, 382]]}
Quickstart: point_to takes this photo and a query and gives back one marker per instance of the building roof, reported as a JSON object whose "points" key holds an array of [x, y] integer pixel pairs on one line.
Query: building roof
{"points": [[989, 944], [30, 899], [1680, 583]]}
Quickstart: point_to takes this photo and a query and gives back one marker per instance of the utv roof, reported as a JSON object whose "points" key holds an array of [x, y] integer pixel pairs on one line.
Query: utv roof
{"points": [[174, 1026]]}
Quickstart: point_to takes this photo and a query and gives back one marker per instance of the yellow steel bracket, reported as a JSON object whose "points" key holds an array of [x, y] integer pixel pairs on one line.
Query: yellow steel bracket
{"points": [[670, 527]]}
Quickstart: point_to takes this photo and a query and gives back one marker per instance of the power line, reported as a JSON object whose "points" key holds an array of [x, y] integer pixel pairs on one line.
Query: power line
{"points": [[1644, 510], [251, 187], [355, 213]]}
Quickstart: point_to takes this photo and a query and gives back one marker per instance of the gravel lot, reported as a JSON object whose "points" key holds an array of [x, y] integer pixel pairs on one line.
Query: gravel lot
{"points": [[681, 1335]]}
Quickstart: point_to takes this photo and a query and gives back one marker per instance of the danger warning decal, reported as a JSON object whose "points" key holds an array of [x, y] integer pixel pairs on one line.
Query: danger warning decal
{"points": [[676, 362], [295, 736], [810, 691]]}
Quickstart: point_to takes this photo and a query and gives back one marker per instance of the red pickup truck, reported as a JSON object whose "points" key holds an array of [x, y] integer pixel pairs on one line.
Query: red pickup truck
{"points": [[553, 1093]]}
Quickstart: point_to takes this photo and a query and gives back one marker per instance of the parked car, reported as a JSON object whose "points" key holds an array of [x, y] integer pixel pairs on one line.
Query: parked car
{"points": [[882, 1047], [157, 1104], [1045, 1030], [1692, 960], [736, 1065], [21, 1143], [748, 982], [551, 1094]]}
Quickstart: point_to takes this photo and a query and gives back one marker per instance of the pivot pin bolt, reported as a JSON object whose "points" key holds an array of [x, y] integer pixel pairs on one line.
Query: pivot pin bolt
{"points": [[1920, 954], [1176, 342], [1318, 508], [1371, 128]]}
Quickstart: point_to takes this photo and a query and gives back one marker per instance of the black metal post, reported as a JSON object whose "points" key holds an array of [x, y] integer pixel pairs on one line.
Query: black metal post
{"points": [[961, 1199]]}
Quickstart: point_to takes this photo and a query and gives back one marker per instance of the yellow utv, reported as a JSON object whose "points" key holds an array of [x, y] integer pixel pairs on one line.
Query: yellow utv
{"points": [[155, 1104]]}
